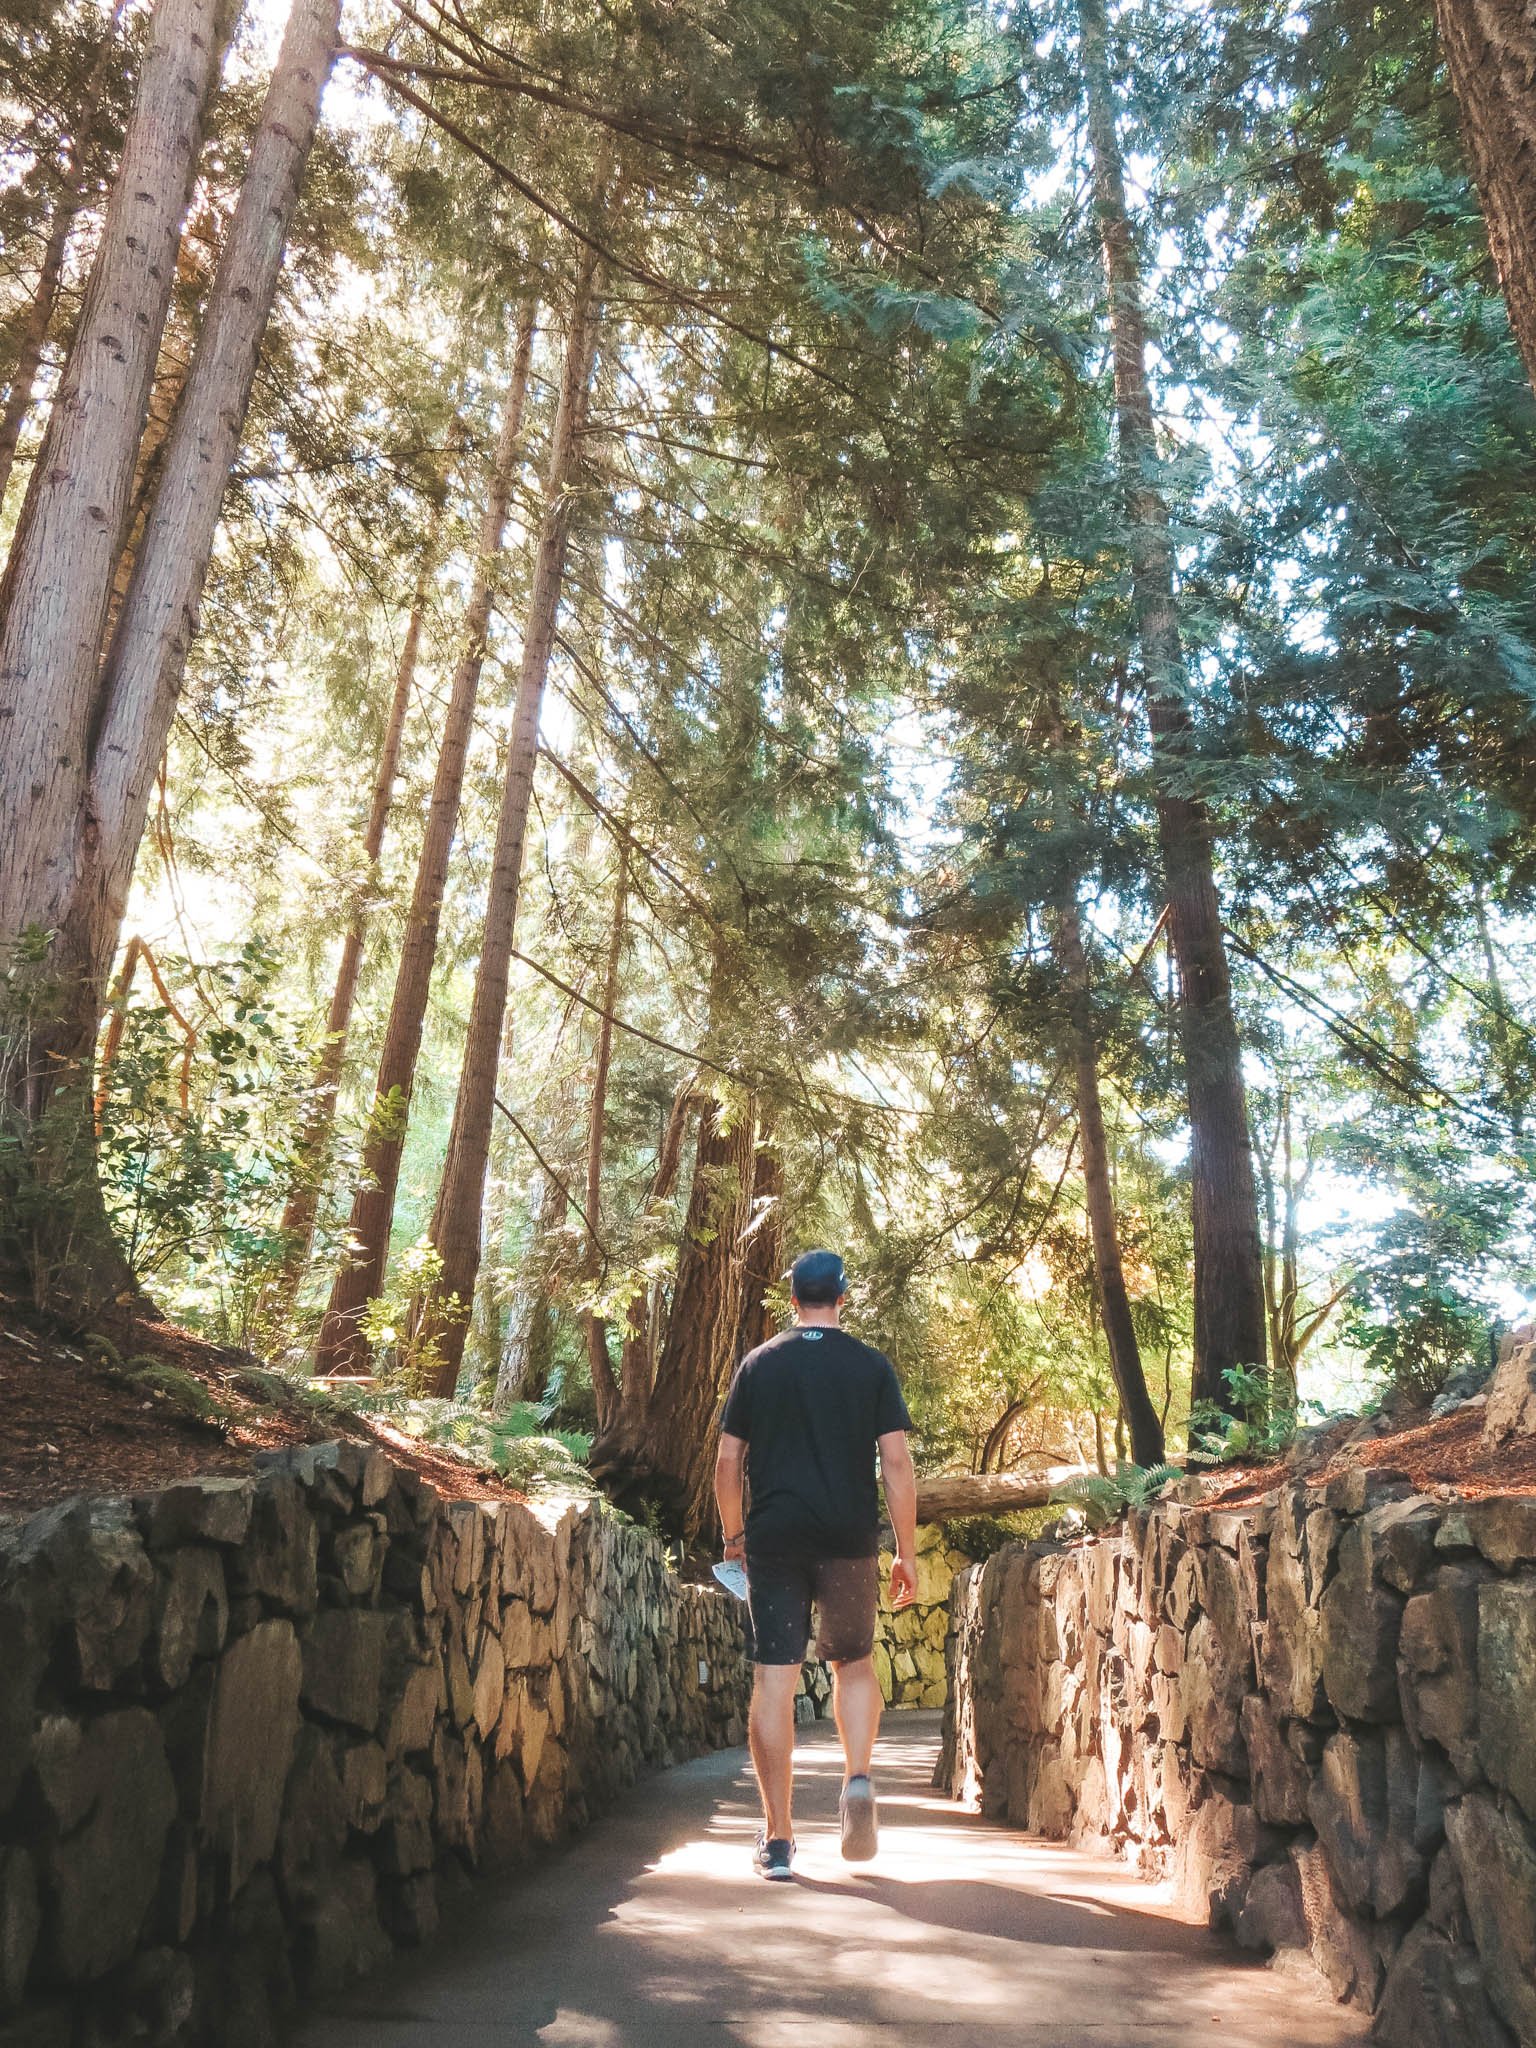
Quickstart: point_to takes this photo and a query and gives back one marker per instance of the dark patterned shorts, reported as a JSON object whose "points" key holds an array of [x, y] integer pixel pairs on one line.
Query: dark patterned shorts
{"points": [[781, 1591]]}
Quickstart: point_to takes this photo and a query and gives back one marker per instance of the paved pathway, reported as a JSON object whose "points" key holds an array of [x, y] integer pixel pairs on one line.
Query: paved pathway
{"points": [[651, 1931]]}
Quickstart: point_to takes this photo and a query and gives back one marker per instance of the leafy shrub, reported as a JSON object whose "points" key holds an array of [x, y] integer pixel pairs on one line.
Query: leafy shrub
{"points": [[1104, 1498], [1261, 1430], [1427, 1343], [195, 1145], [393, 1322], [981, 1536], [519, 1446]]}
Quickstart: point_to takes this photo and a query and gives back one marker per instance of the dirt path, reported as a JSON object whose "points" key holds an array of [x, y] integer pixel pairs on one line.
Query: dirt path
{"points": [[651, 1931]]}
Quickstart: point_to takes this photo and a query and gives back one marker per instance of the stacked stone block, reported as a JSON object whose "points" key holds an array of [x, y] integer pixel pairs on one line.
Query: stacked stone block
{"points": [[1317, 1716], [256, 1732]]}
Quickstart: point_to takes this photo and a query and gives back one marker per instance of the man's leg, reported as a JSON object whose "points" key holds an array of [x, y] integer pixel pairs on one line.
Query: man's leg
{"points": [[771, 1732], [846, 1595], [856, 1705]]}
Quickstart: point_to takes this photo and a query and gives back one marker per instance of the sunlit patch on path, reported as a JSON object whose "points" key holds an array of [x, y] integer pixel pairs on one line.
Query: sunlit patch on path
{"points": [[652, 1931]]}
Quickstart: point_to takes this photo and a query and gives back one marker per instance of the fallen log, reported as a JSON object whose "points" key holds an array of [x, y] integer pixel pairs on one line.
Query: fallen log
{"points": [[944, 1494]]}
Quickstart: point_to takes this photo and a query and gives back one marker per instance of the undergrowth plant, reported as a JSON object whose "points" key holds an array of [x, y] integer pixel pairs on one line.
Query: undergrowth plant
{"points": [[403, 1327], [1103, 1498], [518, 1445], [1262, 1428]]}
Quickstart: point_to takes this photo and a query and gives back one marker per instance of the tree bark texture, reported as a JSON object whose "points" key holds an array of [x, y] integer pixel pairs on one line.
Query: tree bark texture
{"points": [[341, 1347], [764, 1249], [624, 1403], [660, 1447], [147, 660], [604, 1385], [91, 862], [164, 403], [54, 594], [32, 329], [1108, 1268], [527, 1343], [302, 1205], [1490, 52], [602, 1061], [455, 1229], [989, 1493], [1229, 1318]]}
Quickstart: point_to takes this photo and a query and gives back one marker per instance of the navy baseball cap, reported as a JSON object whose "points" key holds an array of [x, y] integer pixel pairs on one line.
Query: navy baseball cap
{"points": [[818, 1279]]}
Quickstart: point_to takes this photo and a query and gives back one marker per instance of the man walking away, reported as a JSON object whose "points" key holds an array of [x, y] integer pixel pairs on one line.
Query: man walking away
{"points": [[803, 1420]]}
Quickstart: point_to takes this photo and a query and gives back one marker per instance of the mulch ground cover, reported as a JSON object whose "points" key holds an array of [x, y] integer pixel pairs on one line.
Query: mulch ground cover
{"points": [[1443, 1455], [76, 1417]]}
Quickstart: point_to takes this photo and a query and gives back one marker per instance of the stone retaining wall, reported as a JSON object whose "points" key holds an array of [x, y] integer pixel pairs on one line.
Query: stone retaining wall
{"points": [[1317, 1715], [909, 1646], [254, 1732]]}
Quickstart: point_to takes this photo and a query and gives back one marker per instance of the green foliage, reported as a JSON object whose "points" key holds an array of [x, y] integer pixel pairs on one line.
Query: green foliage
{"points": [[1424, 1343], [1104, 1498], [195, 1142], [982, 1536], [518, 1446], [849, 653], [1259, 1425], [406, 1344], [180, 1389], [1420, 1305]]}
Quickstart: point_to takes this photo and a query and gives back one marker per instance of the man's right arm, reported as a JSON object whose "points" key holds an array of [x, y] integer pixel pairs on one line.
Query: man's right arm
{"points": [[900, 1483]]}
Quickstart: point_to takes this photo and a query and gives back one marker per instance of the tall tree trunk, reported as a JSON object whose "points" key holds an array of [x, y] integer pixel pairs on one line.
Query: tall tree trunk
{"points": [[1490, 52], [604, 1384], [455, 1230], [148, 656], [165, 398], [302, 1205], [1108, 1269], [341, 1347], [623, 1408], [660, 1447], [694, 1365], [764, 1248], [32, 328], [527, 1344], [1228, 1252], [53, 597], [141, 679]]}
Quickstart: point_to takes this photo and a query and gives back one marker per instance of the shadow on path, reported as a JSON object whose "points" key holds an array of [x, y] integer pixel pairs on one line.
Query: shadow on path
{"points": [[652, 1931]]}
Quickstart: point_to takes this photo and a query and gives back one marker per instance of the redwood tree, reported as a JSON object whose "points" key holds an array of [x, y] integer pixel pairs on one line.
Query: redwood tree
{"points": [[1229, 1316], [302, 1205], [1490, 52], [341, 1347], [455, 1229], [765, 1235], [1114, 1300], [91, 861], [31, 328], [655, 1440], [58, 578]]}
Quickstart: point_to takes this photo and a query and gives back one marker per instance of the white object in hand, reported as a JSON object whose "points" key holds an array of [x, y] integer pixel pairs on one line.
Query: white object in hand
{"points": [[733, 1576]]}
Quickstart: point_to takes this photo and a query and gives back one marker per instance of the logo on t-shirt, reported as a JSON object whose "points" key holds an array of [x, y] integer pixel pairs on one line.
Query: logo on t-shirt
{"points": [[811, 1336]]}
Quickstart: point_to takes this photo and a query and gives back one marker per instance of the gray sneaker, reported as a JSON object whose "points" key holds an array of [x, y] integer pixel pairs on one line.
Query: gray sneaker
{"points": [[861, 1820], [775, 1859]]}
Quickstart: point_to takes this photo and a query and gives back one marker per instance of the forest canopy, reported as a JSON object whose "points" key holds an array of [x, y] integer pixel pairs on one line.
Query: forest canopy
{"points": [[636, 637]]}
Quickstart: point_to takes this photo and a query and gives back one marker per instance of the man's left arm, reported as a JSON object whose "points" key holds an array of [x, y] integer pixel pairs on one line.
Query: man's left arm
{"points": [[900, 1483], [730, 1465]]}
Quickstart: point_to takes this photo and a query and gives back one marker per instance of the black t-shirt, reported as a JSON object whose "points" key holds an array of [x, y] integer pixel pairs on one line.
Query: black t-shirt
{"points": [[810, 1405]]}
